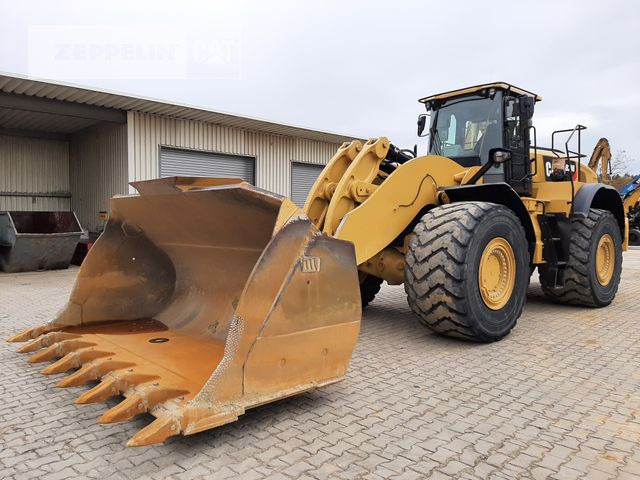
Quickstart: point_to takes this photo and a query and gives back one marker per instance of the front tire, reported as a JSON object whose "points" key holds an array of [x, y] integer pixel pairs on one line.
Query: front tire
{"points": [[467, 270], [595, 262]]}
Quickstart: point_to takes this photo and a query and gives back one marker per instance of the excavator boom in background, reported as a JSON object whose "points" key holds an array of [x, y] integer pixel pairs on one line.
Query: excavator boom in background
{"points": [[602, 155], [205, 297], [630, 193]]}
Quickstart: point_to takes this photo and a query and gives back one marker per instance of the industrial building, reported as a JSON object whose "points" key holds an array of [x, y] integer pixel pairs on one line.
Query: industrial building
{"points": [[64, 147]]}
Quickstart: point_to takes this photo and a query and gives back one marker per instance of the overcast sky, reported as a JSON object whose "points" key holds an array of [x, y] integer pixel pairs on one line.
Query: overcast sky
{"points": [[356, 68]]}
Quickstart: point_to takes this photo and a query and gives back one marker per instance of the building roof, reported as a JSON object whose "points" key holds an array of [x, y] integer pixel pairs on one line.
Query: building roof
{"points": [[16, 84], [477, 88]]}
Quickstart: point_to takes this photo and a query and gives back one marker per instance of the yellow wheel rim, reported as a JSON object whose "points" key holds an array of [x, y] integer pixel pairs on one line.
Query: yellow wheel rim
{"points": [[605, 259], [497, 273]]}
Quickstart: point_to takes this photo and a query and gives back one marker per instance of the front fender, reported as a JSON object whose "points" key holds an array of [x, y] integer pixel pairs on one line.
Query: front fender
{"points": [[500, 193]]}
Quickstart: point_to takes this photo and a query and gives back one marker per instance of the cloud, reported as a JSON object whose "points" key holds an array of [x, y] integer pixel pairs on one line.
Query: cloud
{"points": [[359, 67]]}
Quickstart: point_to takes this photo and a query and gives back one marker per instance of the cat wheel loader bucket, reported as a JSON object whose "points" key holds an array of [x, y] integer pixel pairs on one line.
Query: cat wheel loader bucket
{"points": [[202, 298]]}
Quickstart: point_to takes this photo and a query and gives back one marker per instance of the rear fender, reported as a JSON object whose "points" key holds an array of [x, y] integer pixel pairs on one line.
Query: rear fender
{"points": [[604, 197]]}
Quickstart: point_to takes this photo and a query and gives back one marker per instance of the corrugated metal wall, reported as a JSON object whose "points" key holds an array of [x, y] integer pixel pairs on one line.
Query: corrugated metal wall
{"points": [[303, 176], [274, 153], [34, 165], [183, 161], [98, 158]]}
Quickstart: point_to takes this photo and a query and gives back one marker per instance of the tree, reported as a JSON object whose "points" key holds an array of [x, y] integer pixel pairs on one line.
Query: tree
{"points": [[619, 166], [620, 163]]}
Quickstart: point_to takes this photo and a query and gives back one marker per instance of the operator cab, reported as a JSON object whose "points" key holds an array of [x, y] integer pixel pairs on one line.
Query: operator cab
{"points": [[486, 123]]}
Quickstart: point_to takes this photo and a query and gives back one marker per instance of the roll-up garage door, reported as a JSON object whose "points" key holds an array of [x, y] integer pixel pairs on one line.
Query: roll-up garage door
{"points": [[179, 162], [303, 175]]}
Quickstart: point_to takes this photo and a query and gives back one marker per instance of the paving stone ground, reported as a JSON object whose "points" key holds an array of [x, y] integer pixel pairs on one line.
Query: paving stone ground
{"points": [[559, 398]]}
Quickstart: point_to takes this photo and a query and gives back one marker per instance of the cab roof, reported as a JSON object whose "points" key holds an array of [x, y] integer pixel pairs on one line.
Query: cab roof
{"points": [[470, 90]]}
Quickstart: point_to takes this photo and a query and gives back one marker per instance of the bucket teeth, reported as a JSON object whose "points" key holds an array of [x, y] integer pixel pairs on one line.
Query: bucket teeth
{"points": [[59, 349], [91, 371], [108, 387], [33, 332], [69, 361], [125, 410], [45, 340], [45, 355], [112, 384], [139, 402], [156, 432], [79, 377], [75, 360]]}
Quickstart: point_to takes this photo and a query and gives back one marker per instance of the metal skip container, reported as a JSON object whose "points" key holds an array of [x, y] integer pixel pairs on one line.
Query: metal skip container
{"points": [[31, 241]]}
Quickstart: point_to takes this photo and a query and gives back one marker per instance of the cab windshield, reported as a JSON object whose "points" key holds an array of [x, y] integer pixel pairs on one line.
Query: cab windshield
{"points": [[466, 129]]}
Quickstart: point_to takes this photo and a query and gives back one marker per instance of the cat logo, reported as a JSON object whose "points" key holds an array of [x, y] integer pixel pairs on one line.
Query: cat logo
{"points": [[310, 264], [548, 169]]}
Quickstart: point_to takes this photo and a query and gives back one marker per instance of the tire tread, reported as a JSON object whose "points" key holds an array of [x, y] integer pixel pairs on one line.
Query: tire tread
{"points": [[435, 268], [577, 287]]}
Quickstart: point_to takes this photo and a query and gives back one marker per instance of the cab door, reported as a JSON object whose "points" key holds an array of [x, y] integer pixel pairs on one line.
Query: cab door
{"points": [[516, 140]]}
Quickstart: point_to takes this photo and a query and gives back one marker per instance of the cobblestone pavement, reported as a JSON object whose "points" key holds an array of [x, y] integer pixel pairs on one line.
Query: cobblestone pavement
{"points": [[559, 398]]}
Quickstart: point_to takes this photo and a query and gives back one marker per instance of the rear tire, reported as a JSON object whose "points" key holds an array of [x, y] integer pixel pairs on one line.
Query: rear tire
{"points": [[369, 288], [634, 237], [582, 285], [442, 270]]}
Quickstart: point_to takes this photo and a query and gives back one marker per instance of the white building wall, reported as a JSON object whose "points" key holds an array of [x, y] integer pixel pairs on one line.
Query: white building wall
{"points": [[274, 153], [98, 159], [37, 166]]}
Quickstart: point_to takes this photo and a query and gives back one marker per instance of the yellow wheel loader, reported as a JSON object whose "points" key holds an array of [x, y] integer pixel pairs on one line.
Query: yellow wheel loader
{"points": [[205, 297]]}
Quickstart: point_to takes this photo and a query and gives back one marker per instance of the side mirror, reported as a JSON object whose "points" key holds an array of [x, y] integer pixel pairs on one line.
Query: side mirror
{"points": [[499, 155], [422, 123], [527, 106]]}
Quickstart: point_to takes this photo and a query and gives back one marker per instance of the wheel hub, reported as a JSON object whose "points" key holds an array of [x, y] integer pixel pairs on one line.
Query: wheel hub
{"points": [[605, 259], [497, 273]]}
